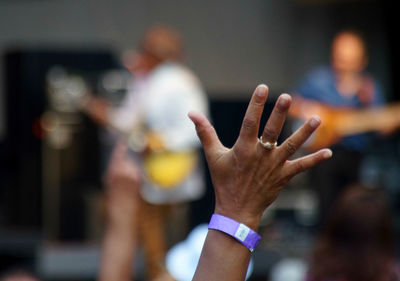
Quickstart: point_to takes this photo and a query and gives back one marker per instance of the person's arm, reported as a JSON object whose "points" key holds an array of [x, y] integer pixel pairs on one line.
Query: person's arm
{"points": [[247, 178], [96, 108], [119, 240], [120, 119]]}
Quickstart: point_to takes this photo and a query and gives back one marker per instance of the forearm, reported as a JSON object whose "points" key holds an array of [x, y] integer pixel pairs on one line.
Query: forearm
{"points": [[119, 240], [97, 109], [117, 254], [222, 258]]}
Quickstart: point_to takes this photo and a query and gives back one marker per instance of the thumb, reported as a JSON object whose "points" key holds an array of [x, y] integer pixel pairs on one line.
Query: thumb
{"points": [[207, 135]]}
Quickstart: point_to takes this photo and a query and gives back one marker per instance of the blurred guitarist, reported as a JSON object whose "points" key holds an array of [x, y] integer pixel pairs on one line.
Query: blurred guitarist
{"points": [[345, 84], [155, 110]]}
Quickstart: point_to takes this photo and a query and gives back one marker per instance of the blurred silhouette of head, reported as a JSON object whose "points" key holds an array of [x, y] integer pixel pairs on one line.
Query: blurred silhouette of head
{"points": [[162, 42], [357, 243], [349, 52], [159, 43]]}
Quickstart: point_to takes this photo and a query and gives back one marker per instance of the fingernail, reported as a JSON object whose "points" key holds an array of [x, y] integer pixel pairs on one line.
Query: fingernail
{"points": [[315, 121], [261, 90], [327, 153], [283, 100]]}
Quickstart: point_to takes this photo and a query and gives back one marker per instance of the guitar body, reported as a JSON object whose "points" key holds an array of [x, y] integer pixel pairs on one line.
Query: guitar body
{"points": [[325, 136]]}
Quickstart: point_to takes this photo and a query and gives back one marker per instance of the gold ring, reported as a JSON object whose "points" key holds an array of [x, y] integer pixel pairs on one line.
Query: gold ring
{"points": [[268, 145]]}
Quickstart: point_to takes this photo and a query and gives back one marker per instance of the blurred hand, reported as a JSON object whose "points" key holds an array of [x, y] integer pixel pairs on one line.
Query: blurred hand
{"points": [[96, 108], [248, 177], [389, 128]]}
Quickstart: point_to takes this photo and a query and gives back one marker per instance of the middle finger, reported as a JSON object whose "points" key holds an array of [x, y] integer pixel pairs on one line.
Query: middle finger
{"points": [[276, 120]]}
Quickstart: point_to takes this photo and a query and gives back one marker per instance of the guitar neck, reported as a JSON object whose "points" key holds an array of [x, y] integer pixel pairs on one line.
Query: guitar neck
{"points": [[367, 120], [342, 122]]}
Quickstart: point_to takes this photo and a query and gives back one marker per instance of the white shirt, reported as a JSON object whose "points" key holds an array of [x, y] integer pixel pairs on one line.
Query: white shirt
{"points": [[161, 101]]}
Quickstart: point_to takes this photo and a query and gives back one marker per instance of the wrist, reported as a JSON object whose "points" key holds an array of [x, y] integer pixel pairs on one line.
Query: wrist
{"points": [[252, 221]]}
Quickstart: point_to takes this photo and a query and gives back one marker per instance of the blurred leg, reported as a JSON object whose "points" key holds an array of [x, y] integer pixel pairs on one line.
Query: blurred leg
{"points": [[151, 227]]}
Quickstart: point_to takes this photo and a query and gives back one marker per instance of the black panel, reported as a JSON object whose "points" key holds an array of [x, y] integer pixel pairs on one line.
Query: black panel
{"points": [[25, 72]]}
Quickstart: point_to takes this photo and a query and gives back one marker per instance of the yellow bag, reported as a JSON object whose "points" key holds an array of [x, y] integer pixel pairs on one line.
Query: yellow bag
{"points": [[168, 169]]}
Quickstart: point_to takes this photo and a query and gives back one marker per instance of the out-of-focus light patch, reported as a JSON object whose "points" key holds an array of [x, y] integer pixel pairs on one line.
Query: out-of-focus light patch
{"points": [[183, 258], [66, 91], [289, 269], [115, 81], [37, 129], [49, 121]]}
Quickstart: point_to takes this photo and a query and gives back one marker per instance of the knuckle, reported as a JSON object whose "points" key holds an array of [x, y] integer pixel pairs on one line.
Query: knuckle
{"points": [[290, 147], [258, 101], [300, 167], [270, 134], [249, 123], [280, 110], [242, 151], [308, 130], [202, 131]]}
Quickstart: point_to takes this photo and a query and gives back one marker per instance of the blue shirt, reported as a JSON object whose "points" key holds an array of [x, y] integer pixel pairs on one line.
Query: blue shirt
{"points": [[319, 85]]}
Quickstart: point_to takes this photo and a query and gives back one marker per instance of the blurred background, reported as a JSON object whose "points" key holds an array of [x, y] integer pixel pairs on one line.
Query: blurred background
{"points": [[50, 186]]}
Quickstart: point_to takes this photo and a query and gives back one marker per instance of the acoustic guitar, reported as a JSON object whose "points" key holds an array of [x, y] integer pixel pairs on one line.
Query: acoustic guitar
{"points": [[341, 122]]}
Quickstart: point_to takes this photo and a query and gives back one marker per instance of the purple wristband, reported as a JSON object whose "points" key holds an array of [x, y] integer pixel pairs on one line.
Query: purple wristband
{"points": [[239, 231]]}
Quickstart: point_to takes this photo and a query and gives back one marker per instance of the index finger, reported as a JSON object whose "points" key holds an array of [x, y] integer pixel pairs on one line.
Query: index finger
{"points": [[251, 121]]}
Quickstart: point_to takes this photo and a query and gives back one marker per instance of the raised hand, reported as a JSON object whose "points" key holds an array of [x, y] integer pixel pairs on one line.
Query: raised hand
{"points": [[248, 177]]}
